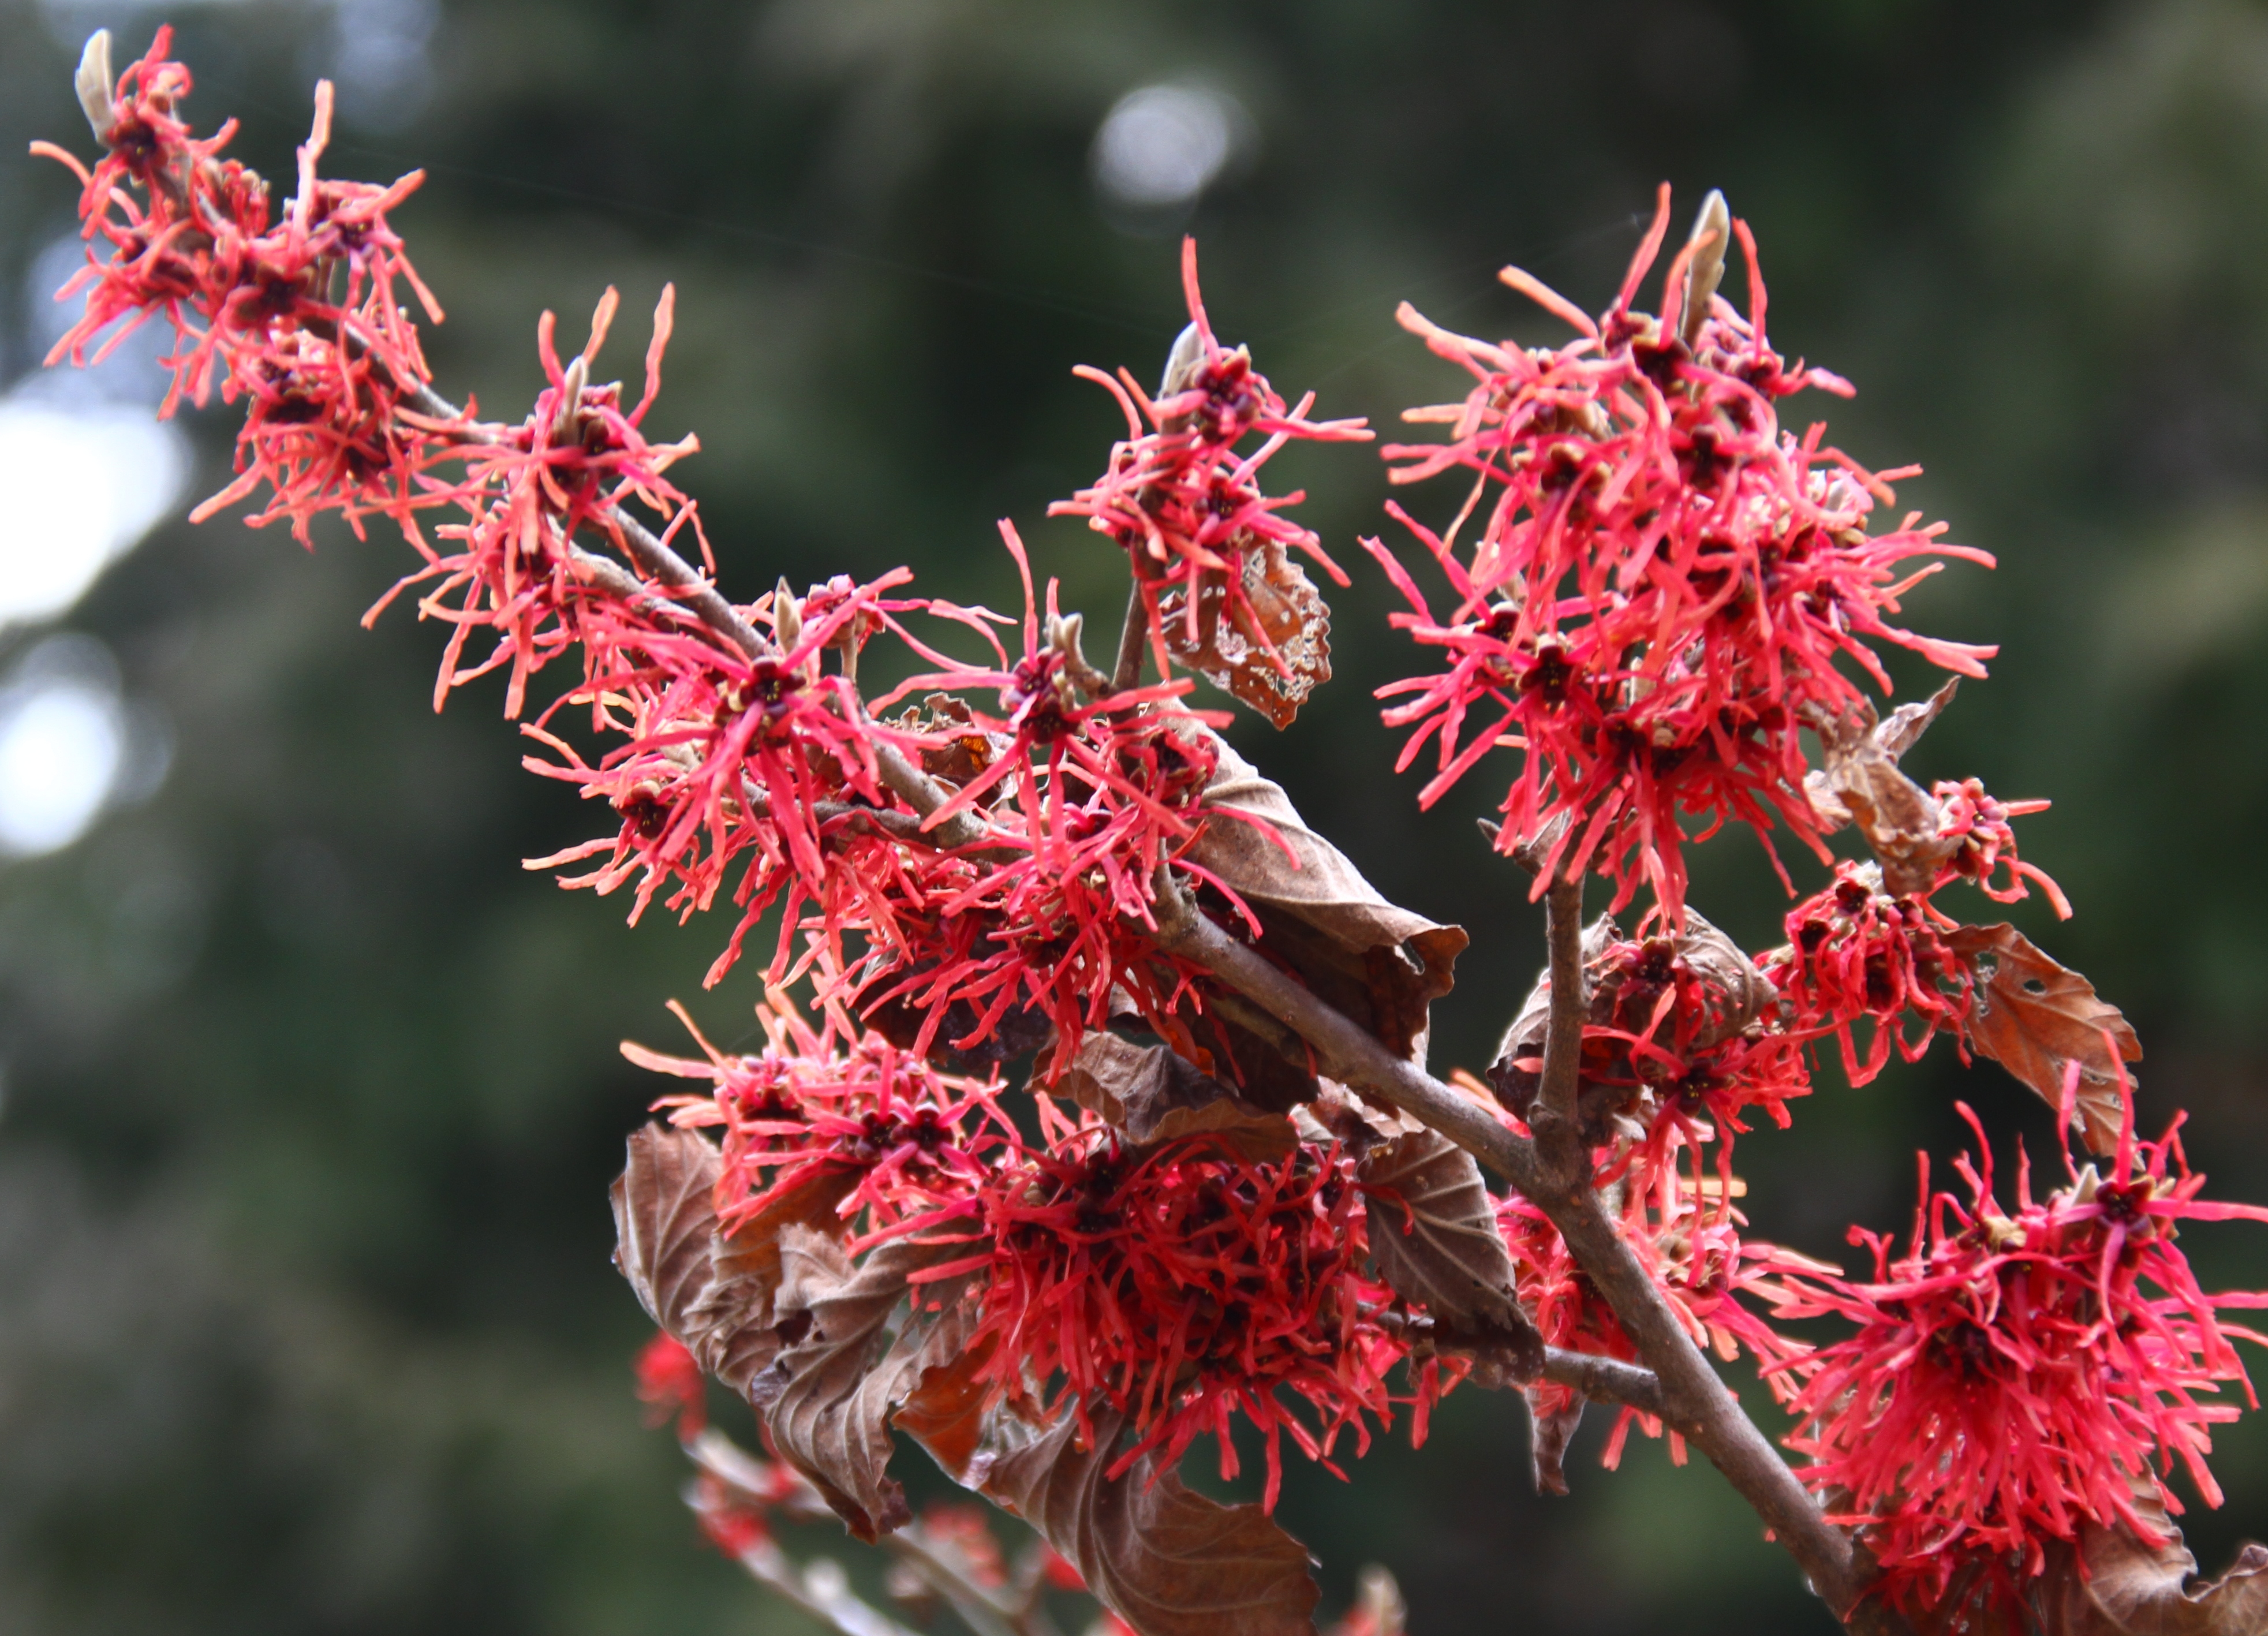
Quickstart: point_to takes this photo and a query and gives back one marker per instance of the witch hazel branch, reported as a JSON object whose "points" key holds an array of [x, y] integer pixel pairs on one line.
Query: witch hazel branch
{"points": [[1093, 1123]]}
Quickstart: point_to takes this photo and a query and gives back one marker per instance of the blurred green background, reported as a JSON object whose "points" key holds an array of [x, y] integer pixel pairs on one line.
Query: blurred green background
{"points": [[310, 1094]]}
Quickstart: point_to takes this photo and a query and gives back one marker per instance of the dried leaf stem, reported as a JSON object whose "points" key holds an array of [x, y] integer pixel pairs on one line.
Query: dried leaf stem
{"points": [[1694, 1401]]}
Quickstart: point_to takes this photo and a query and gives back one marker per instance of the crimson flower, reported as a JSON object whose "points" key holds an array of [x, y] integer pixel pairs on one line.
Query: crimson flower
{"points": [[301, 316], [1853, 953], [1184, 1285], [874, 1129], [1086, 794], [1661, 583], [1184, 505], [2015, 1377]]}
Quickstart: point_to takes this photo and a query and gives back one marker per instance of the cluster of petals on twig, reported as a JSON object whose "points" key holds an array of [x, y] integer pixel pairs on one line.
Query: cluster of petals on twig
{"points": [[1661, 582], [1086, 792], [886, 1136], [1187, 1283], [1179, 498], [1855, 953], [728, 751], [2014, 1377]]}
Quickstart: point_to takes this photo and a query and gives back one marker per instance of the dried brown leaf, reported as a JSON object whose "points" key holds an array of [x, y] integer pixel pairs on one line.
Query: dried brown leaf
{"points": [[1550, 1433], [1153, 1095], [827, 1397], [1279, 602], [1860, 784], [2035, 1017], [2129, 1588], [664, 1212], [1433, 1238], [1168, 1562], [730, 1327], [947, 1414], [1379, 964]]}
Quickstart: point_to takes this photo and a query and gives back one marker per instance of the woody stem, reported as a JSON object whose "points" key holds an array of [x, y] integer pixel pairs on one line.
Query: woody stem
{"points": [[1694, 1403]]}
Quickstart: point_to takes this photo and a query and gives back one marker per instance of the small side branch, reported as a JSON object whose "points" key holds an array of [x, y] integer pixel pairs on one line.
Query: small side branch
{"points": [[1133, 636], [1554, 1118], [821, 1589], [1604, 1380]]}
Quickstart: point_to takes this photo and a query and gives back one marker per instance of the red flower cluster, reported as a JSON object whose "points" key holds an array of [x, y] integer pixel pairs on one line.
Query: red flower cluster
{"points": [[2013, 1377], [876, 1132], [1662, 580], [1682, 1040], [1179, 498], [1185, 1284], [734, 745], [1086, 794], [301, 317], [1855, 952]]}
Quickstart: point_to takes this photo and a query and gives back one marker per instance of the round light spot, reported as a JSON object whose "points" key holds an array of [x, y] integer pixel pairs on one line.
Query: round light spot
{"points": [[1163, 145]]}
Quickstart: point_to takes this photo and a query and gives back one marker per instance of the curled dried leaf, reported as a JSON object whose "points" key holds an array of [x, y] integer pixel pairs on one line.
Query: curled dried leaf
{"points": [[2115, 1585], [665, 1215], [1550, 1430], [1168, 1562], [1382, 965], [827, 1397], [1433, 1237], [2035, 1017], [730, 1327], [1860, 784], [1235, 643], [1153, 1095]]}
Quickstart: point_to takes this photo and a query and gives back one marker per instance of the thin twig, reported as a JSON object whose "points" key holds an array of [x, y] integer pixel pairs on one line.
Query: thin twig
{"points": [[1554, 1116], [1133, 638], [988, 1610], [1607, 1380]]}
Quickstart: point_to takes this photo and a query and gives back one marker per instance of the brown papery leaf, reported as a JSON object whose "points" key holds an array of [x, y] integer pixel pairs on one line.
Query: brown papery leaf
{"points": [[1379, 964], [2129, 1588], [947, 1412], [1150, 1093], [1280, 603], [827, 1399], [1433, 1238], [664, 1212], [1860, 784], [2035, 1017], [1550, 1433], [1168, 1562], [730, 1327]]}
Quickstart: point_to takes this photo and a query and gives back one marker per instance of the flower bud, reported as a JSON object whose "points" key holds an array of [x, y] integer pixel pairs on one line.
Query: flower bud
{"points": [[94, 81]]}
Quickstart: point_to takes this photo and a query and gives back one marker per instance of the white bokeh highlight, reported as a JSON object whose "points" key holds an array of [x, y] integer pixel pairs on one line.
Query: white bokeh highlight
{"points": [[80, 487], [65, 736], [1161, 146]]}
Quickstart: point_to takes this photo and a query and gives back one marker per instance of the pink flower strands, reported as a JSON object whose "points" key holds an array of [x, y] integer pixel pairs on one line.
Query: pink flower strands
{"points": [[1661, 579], [1085, 794], [2014, 1377], [1187, 508], [835, 1123], [1185, 1285], [302, 318]]}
